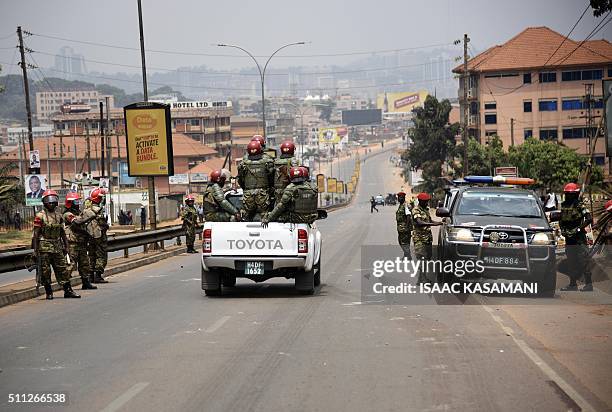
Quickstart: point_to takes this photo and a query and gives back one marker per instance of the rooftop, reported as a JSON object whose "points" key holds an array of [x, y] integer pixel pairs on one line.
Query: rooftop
{"points": [[536, 46]]}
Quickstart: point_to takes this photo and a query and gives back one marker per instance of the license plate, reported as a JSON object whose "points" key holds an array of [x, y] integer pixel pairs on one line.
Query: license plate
{"points": [[501, 260], [254, 268]]}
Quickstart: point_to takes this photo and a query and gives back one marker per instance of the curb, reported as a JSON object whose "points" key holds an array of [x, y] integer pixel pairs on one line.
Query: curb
{"points": [[30, 293]]}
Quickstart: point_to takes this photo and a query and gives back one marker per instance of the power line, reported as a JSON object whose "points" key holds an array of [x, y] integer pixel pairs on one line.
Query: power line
{"points": [[568, 34], [593, 33], [241, 56], [7, 36]]}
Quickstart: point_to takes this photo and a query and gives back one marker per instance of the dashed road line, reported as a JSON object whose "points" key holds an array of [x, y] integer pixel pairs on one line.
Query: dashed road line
{"points": [[125, 397], [212, 328]]}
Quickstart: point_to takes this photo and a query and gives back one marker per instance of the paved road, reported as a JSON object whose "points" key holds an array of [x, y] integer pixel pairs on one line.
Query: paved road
{"points": [[150, 340]]}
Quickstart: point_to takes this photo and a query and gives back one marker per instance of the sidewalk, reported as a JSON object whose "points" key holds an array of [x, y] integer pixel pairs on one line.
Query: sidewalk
{"points": [[24, 290]]}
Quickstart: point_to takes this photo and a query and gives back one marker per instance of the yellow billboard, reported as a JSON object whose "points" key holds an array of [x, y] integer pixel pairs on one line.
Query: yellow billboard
{"points": [[329, 136], [331, 185], [402, 102], [321, 183], [350, 187], [340, 187], [354, 180], [148, 139]]}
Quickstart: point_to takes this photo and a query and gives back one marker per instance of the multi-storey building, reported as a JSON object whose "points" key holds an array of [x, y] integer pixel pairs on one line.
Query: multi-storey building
{"points": [[538, 85], [50, 103]]}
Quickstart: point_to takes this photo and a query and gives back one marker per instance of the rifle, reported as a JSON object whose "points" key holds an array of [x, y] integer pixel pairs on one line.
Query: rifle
{"points": [[30, 266]]}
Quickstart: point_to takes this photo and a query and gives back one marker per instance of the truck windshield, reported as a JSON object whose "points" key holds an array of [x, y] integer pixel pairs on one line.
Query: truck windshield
{"points": [[499, 204]]}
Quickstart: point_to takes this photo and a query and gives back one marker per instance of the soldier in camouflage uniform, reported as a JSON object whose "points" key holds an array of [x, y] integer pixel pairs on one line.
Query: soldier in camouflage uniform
{"points": [[189, 215], [51, 245], [403, 219], [281, 169], [299, 201], [96, 229], [575, 217], [216, 207], [421, 234], [255, 176], [74, 226]]}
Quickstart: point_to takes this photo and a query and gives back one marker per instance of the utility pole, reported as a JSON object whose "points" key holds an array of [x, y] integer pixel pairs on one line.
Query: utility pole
{"points": [[102, 147], [511, 132], [151, 185], [26, 87], [588, 101], [61, 163], [88, 154], [466, 105], [109, 162]]}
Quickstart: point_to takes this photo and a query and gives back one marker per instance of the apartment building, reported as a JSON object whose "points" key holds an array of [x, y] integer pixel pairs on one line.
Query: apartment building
{"points": [[538, 85], [49, 103]]}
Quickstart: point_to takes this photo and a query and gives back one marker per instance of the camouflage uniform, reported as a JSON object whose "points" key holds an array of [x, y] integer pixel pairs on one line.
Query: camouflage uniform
{"points": [[96, 229], [216, 207], [255, 175], [190, 221], [74, 226], [297, 205], [573, 214], [281, 175], [51, 248], [404, 228], [422, 237]]}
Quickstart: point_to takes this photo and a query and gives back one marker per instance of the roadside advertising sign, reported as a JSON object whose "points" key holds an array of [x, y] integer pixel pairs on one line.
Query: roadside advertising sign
{"points": [[340, 187], [350, 187], [198, 177], [179, 179], [34, 159], [321, 182], [507, 171], [331, 185], [34, 186], [329, 136], [148, 137]]}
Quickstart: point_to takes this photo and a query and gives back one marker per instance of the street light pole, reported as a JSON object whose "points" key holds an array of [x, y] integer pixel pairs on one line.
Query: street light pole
{"points": [[262, 74]]}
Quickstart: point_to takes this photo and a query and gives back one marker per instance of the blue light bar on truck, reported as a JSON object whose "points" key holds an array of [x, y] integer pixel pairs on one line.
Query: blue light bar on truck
{"points": [[502, 180]]}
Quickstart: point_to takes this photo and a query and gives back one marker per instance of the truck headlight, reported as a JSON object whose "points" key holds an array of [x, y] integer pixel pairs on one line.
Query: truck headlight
{"points": [[461, 235], [543, 239]]}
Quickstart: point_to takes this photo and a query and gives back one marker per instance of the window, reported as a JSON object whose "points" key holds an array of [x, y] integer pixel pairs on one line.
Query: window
{"points": [[581, 75], [526, 78], [528, 134], [500, 75], [194, 122], [527, 106], [548, 105], [490, 106], [577, 132], [490, 133], [491, 118], [571, 104], [598, 103], [609, 71], [548, 134], [548, 77], [599, 160]]}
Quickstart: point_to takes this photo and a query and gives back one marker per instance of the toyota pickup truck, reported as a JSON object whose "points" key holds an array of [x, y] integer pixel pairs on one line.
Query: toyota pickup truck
{"points": [[233, 250]]}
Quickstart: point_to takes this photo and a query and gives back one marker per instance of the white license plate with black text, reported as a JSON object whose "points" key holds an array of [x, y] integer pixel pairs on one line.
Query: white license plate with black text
{"points": [[254, 268]]}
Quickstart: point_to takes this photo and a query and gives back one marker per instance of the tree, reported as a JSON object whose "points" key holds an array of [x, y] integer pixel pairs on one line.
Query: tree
{"points": [[327, 110], [483, 159], [550, 164], [433, 140], [601, 6], [1, 87]]}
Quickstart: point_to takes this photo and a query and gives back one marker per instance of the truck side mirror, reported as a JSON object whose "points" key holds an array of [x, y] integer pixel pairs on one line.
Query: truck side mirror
{"points": [[554, 216], [442, 212], [321, 214]]}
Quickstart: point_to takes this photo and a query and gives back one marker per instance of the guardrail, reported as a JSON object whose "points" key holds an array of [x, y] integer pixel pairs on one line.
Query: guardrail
{"points": [[15, 259]]}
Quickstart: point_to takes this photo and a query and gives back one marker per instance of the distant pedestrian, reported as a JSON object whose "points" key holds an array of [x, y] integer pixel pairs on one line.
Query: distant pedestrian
{"points": [[373, 205], [143, 218], [17, 221]]}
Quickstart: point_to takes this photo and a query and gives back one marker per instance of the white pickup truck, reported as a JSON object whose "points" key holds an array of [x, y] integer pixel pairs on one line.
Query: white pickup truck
{"points": [[245, 249]]}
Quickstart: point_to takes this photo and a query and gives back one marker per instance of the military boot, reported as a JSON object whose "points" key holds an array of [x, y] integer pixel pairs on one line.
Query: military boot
{"points": [[572, 287], [48, 291], [86, 284], [69, 293], [587, 288], [98, 278]]}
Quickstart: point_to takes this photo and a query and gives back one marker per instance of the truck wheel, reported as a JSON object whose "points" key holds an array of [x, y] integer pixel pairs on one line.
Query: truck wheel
{"points": [[229, 281], [547, 284], [317, 276], [211, 283], [304, 282]]}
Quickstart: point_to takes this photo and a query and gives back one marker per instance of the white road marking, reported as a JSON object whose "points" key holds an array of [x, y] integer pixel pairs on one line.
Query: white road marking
{"points": [[584, 405], [125, 397], [217, 324]]}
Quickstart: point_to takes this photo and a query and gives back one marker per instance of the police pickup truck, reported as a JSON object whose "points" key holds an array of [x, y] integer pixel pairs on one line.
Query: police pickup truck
{"points": [[503, 227], [233, 250]]}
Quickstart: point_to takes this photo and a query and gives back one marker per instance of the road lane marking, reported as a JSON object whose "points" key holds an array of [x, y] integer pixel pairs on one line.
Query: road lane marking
{"points": [[125, 397], [217, 324], [585, 406]]}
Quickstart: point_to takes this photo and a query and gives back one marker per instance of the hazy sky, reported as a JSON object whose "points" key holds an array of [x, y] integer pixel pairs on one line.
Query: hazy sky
{"points": [[332, 26]]}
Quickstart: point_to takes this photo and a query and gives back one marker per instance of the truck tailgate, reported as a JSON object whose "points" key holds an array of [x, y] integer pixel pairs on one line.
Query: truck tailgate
{"points": [[250, 239]]}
